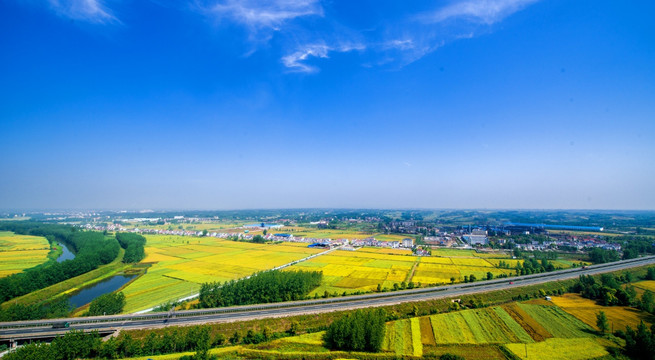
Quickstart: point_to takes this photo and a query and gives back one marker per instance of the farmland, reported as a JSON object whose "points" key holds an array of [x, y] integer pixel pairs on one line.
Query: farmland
{"points": [[645, 285], [584, 309], [354, 270], [179, 265], [366, 268], [517, 326], [559, 349], [20, 252], [544, 331]]}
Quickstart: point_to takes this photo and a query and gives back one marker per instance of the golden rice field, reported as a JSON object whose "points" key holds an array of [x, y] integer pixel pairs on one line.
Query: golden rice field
{"points": [[389, 251], [364, 269], [181, 264], [584, 309], [440, 270], [645, 285], [350, 271], [20, 252]]}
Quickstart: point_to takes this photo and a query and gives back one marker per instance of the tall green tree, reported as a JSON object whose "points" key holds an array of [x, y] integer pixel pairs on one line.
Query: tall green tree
{"points": [[601, 322], [362, 330], [107, 304]]}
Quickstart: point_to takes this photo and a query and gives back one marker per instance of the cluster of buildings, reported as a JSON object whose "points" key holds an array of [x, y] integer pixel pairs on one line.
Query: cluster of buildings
{"points": [[572, 243], [323, 242]]}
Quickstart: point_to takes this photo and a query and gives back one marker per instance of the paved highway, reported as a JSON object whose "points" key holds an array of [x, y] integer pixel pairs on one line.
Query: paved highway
{"points": [[43, 328]]}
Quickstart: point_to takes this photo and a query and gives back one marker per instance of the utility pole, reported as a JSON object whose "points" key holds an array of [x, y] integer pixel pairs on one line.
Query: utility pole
{"points": [[526, 350]]}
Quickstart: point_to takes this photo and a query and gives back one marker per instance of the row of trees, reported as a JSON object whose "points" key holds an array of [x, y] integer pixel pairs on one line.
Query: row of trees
{"points": [[16, 312], [107, 304], [608, 291], [633, 246], [640, 344], [600, 256], [362, 330], [264, 287], [75, 345], [534, 266], [133, 245], [92, 250]]}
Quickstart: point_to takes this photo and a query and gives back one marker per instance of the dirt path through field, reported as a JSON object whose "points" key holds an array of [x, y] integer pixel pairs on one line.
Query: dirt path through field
{"points": [[410, 275]]}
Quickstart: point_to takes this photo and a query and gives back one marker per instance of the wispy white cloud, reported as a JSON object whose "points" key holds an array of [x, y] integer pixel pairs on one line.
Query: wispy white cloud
{"points": [[269, 14], [400, 44], [295, 61], [484, 11], [395, 44], [94, 11]]}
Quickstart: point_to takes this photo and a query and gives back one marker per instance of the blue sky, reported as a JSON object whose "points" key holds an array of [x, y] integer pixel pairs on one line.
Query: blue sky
{"points": [[221, 104]]}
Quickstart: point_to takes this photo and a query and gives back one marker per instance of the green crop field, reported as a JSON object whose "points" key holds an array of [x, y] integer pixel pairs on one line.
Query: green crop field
{"points": [[480, 326], [20, 252], [557, 321], [559, 349]]}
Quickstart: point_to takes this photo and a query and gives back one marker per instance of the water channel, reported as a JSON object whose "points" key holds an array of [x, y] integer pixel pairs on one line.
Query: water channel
{"points": [[86, 295], [66, 255]]}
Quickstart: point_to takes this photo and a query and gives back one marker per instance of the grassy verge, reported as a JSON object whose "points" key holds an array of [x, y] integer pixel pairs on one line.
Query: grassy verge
{"points": [[56, 251], [63, 288]]}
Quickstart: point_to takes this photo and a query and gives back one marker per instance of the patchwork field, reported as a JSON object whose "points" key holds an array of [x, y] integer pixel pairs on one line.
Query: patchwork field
{"points": [[517, 326], [20, 252], [584, 309], [181, 264]]}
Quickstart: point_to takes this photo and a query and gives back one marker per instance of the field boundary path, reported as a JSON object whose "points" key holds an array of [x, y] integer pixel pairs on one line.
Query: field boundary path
{"points": [[410, 275], [247, 277]]}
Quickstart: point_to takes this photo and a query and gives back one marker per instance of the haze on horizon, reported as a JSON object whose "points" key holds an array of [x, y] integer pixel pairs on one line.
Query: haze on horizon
{"points": [[226, 104]]}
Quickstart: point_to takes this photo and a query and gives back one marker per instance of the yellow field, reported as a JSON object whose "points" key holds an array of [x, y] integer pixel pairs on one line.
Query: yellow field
{"points": [[221, 351], [180, 264], [439, 270], [20, 252], [645, 285], [364, 269], [386, 251], [584, 309], [452, 252], [510, 262], [559, 349], [350, 271]]}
